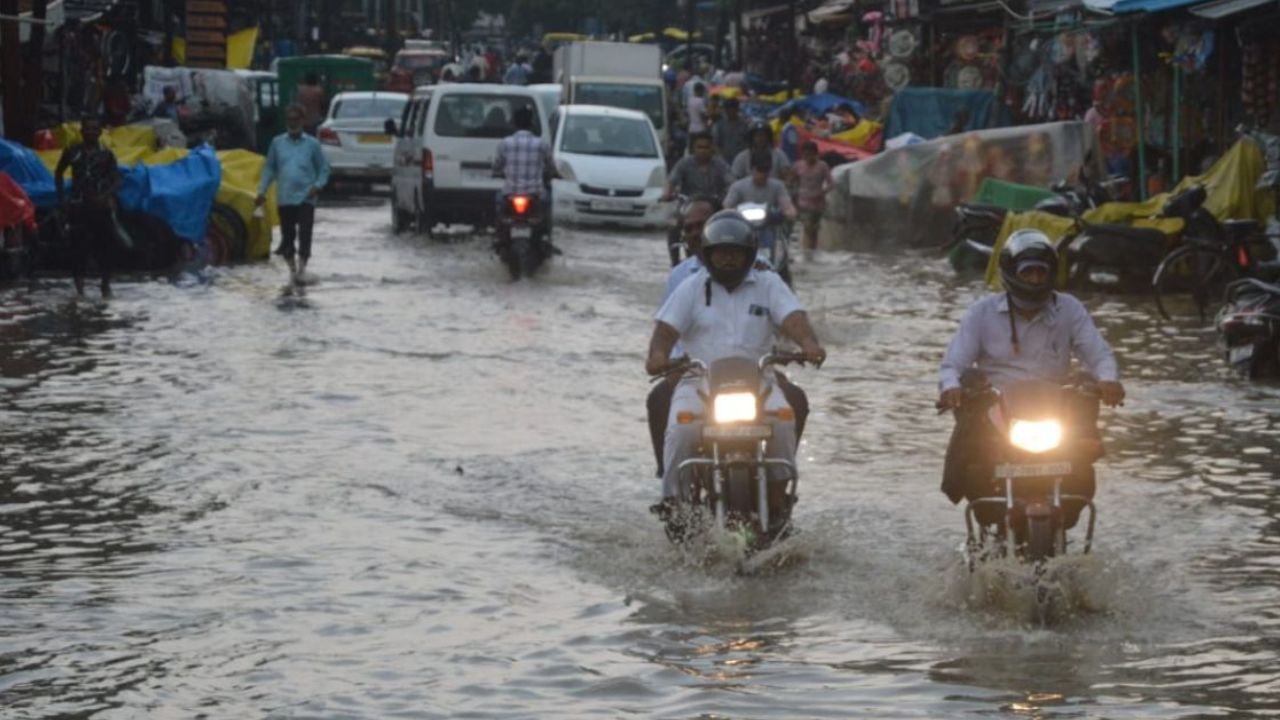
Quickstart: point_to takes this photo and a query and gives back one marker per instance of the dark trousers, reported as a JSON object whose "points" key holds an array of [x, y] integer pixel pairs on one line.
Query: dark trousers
{"points": [[92, 235], [969, 471], [296, 222], [659, 407]]}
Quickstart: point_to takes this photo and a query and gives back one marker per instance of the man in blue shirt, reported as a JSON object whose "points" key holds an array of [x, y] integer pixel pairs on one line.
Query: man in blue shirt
{"points": [[297, 166], [1028, 332]]}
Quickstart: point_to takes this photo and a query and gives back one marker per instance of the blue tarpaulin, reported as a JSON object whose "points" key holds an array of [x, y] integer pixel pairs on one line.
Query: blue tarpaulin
{"points": [[180, 193], [823, 103], [1149, 6], [930, 112], [26, 169]]}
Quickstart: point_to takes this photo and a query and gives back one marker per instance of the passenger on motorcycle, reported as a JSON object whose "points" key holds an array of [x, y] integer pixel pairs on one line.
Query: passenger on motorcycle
{"points": [[761, 144], [701, 175], [728, 310], [1028, 332]]}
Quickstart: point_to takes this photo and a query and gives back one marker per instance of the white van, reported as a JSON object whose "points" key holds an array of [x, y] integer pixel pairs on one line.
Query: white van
{"points": [[445, 143]]}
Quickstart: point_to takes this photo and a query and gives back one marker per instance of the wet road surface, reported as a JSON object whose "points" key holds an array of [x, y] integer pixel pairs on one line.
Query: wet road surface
{"points": [[421, 491]]}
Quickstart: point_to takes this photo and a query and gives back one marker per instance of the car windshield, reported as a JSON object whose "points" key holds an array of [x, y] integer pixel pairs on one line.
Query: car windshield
{"points": [[368, 107], [420, 61], [482, 116], [645, 98], [608, 136]]}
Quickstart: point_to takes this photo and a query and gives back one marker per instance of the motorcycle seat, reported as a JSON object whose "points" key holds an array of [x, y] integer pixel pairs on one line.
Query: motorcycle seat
{"points": [[1238, 227], [1139, 234]]}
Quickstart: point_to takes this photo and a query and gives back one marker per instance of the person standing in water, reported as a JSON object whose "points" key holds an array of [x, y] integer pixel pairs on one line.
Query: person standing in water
{"points": [[299, 169]]}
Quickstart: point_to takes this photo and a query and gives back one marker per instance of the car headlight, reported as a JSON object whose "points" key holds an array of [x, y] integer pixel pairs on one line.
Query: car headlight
{"points": [[658, 178], [1035, 437], [566, 172], [735, 407]]}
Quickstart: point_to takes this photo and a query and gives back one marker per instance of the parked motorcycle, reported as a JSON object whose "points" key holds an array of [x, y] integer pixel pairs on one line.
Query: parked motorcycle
{"points": [[523, 243], [973, 235], [1041, 447], [774, 233], [1249, 324], [727, 486]]}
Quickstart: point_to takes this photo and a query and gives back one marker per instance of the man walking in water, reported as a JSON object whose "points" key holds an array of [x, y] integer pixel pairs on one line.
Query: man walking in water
{"points": [[96, 178], [296, 164]]}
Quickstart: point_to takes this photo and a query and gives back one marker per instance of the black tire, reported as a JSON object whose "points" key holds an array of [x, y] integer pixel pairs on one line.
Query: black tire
{"points": [[397, 217], [1039, 539], [1193, 273], [421, 224], [737, 490], [233, 229]]}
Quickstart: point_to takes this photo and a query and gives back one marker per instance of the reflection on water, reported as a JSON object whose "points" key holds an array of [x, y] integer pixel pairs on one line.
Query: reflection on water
{"points": [[421, 491]]}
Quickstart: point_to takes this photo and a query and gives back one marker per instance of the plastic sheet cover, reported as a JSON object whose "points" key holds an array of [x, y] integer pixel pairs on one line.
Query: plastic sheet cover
{"points": [[180, 193], [907, 196]]}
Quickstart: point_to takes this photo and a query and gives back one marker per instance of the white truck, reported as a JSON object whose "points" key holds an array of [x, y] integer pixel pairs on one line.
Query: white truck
{"points": [[623, 75]]}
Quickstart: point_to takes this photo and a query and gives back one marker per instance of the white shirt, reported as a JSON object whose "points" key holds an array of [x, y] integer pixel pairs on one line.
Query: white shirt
{"points": [[742, 323], [697, 114], [1046, 343]]}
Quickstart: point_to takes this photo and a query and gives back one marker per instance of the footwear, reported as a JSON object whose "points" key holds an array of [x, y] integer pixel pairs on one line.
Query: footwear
{"points": [[293, 268]]}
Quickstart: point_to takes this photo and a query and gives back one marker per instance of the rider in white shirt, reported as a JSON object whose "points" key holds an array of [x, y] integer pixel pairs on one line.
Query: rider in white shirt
{"points": [[729, 309]]}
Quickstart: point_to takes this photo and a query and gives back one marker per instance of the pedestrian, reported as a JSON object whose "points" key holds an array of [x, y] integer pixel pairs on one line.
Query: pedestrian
{"points": [[697, 110], [813, 182], [518, 73], [311, 98], [96, 178], [299, 169]]}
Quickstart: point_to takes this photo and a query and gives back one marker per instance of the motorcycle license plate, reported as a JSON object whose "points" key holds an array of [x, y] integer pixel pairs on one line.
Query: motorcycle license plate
{"points": [[522, 232], [737, 432], [1240, 353], [1026, 470]]}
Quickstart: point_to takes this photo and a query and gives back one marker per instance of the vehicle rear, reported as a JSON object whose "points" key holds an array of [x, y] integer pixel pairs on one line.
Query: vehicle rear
{"points": [[413, 68], [354, 138], [464, 128]]}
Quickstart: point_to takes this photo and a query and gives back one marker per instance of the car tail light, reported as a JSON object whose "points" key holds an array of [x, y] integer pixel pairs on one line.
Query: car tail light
{"points": [[520, 204], [329, 136], [428, 164]]}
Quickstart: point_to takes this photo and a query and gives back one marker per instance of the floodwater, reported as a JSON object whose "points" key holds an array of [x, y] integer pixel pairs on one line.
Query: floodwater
{"points": [[421, 491]]}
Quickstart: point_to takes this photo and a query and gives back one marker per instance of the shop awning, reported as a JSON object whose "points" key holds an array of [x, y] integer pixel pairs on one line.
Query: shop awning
{"points": [[832, 11], [1125, 7], [1222, 8]]}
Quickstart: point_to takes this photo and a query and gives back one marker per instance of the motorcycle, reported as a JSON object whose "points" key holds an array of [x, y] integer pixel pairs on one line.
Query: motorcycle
{"points": [[1249, 324], [973, 235], [1038, 443], [774, 234], [522, 241], [727, 485]]}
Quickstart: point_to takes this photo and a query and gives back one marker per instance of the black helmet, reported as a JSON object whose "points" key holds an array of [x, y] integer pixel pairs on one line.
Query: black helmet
{"points": [[729, 228], [759, 126], [1023, 246]]}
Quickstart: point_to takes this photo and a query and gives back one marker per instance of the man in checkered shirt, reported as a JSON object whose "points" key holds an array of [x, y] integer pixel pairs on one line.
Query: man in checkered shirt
{"points": [[524, 159]]}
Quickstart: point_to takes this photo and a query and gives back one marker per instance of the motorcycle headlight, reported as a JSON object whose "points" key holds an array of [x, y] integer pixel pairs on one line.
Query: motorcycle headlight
{"points": [[754, 214], [735, 407], [1035, 437]]}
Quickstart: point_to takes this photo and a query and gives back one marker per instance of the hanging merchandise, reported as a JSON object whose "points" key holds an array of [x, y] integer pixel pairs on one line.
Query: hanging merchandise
{"points": [[902, 43], [896, 75]]}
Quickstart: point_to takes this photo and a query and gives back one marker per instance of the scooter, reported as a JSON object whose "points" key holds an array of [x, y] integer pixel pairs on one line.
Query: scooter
{"points": [[774, 233], [728, 485], [522, 241], [1249, 324]]}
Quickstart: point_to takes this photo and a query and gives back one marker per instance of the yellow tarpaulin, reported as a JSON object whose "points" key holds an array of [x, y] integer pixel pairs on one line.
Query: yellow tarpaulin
{"points": [[240, 48], [241, 172], [1231, 195]]}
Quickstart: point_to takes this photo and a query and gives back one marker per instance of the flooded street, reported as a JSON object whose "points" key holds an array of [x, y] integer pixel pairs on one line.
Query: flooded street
{"points": [[421, 491]]}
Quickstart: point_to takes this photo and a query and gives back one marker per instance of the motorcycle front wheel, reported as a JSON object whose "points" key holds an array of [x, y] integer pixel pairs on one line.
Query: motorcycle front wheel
{"points": [[1039, 539]]}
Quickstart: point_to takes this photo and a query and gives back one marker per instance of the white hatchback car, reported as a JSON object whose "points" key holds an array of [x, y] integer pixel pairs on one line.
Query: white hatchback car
{"points": [[610, 166], [354, 139]]}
